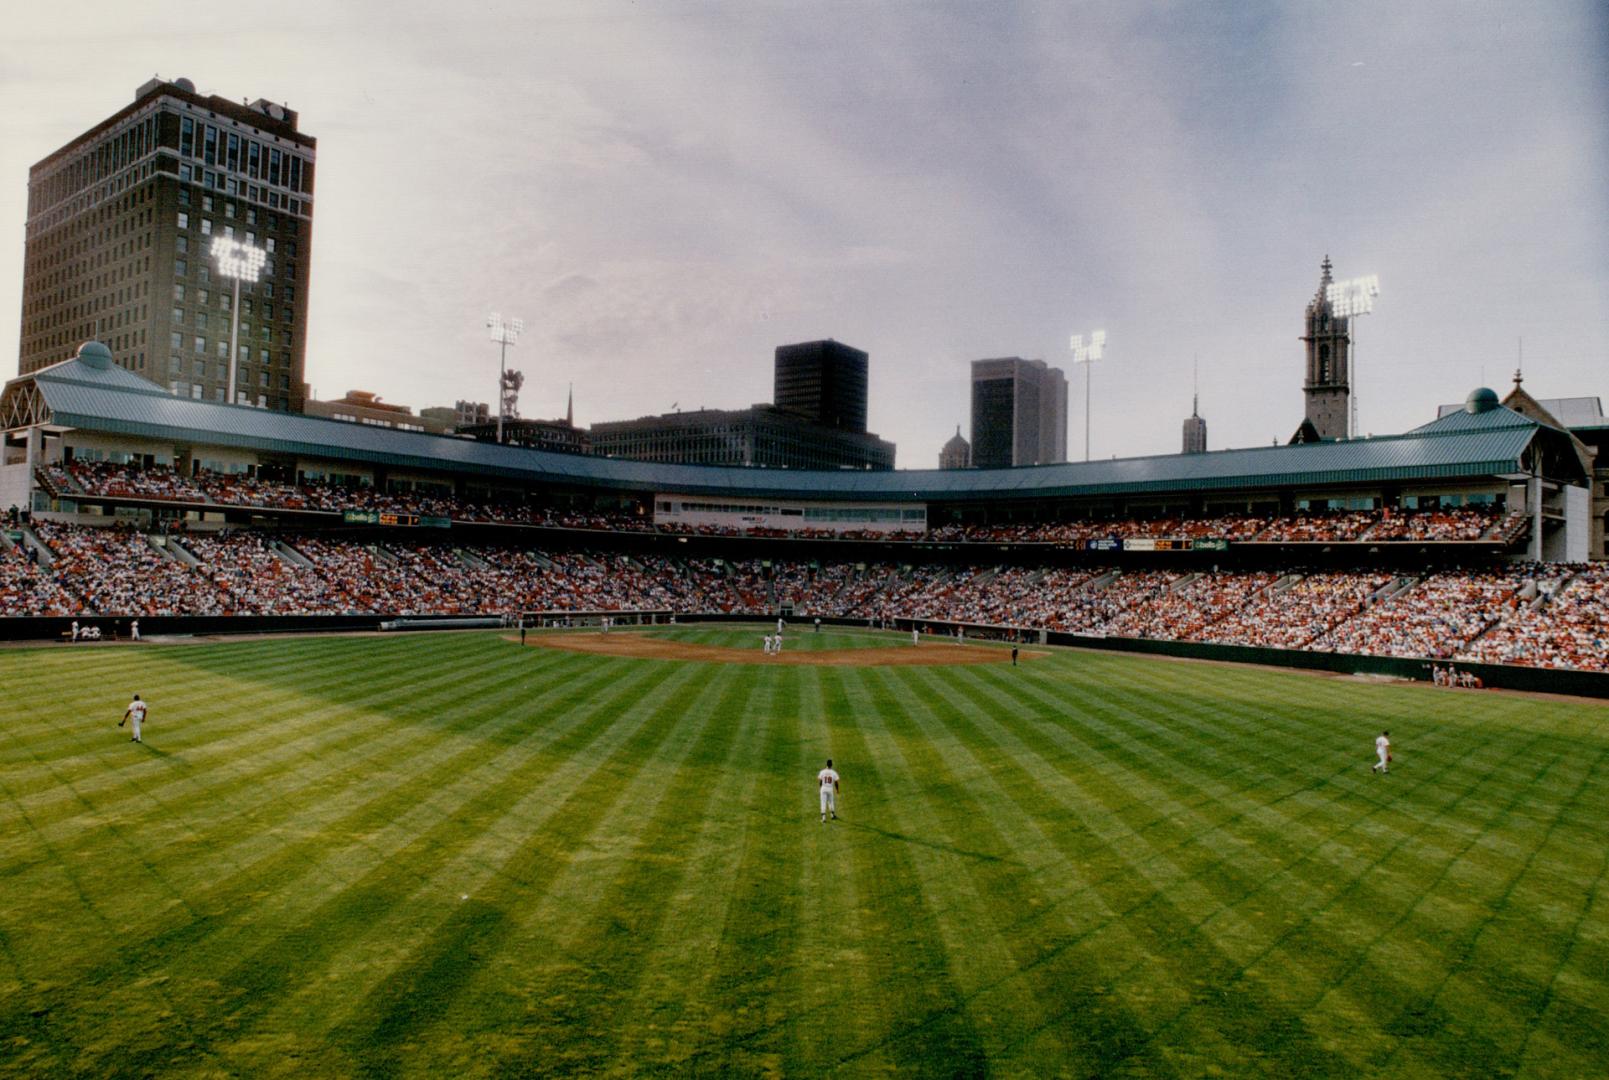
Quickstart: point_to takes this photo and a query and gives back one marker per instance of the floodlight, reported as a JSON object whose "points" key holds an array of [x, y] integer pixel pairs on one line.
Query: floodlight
{"points": [[1355, 296], [505, 332], [1086, 354], [239, 262]]}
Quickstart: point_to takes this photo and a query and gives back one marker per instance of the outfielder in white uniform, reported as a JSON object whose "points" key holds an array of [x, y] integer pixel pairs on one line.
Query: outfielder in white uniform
{"points": [[827, 781], [1382, 747], [135, 714]]}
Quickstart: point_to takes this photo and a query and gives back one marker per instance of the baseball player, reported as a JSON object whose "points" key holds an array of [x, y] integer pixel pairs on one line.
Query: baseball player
{"points": [[1382, 747], [134, 715], [827, 782]]}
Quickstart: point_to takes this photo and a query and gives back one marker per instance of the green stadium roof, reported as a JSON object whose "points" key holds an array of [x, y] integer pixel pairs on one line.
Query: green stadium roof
{"points": [[90, 393]]}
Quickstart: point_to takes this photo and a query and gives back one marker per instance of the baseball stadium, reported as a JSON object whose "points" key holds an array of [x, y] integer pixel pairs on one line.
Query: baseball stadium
{"points": [[467, 759]]}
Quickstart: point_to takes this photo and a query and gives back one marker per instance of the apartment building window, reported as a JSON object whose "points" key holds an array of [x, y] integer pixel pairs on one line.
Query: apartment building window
{"points": [[200, 344], [184, 220]]}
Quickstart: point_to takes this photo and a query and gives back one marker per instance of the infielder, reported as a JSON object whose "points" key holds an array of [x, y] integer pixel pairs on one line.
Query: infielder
{"points": [[135, 715], [827, 782]]}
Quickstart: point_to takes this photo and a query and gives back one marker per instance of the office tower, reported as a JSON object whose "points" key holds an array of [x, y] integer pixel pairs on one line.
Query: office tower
{"points": [[1195, 431], [1019, 413], [121, 222], [823, 382], [761, 435]]}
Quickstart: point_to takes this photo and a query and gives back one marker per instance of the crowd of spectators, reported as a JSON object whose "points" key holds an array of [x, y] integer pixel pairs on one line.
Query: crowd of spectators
{"points": [[1566, 625], [1461, 523], [1297, 609], [1183, 613], [1546, 616], [29, 589], [163, 483], [1435, 617], [118, 571]]}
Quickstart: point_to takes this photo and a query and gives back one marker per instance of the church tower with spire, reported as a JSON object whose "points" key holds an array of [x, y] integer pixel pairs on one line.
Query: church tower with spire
{"points": [[1328, 386]]}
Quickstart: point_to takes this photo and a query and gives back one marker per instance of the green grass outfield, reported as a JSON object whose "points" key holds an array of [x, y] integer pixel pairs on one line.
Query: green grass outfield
{"points": [[447, 855]]}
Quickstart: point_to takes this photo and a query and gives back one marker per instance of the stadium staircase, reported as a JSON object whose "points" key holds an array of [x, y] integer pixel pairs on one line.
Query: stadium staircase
{"points": [[1184, 581], [58, 482], [1397, 585], [32, 540], [291, 555], [173, 550], [1507, 528]]}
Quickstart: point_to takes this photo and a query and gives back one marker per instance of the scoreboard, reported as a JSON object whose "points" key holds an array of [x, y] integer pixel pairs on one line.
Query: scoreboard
{"points": [[390, 517]]}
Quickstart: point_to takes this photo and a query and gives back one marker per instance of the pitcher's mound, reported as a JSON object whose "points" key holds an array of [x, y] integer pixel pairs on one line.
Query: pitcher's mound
{"points": [[644, 647]]}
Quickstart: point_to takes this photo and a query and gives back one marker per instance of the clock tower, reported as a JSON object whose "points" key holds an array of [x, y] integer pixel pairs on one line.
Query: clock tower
{"points": [[1328, 345]]}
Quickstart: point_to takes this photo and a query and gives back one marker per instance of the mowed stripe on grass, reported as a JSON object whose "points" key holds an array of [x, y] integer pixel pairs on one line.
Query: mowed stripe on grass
{"points": [[448, 855]]}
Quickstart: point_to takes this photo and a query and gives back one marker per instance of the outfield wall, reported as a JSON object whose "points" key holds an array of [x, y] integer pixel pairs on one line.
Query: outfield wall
{"points": [[1504, 676], [1495, 676], [42, 628]]}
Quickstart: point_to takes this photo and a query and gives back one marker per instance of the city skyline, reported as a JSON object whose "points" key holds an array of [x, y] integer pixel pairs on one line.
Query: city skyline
{"points": [[667, 194]]}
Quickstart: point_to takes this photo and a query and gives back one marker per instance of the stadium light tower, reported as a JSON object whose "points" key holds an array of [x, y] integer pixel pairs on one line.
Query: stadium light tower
{"points": [[238, 262], [505, 333], [1087, 355], [1355, 296]]}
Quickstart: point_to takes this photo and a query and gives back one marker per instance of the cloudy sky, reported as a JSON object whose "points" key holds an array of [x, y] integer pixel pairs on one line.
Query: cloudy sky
{"points": [[665, 191]]}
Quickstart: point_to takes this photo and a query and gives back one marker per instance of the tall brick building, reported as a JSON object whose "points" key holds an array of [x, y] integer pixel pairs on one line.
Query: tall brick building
{"points": [[120, 221]]}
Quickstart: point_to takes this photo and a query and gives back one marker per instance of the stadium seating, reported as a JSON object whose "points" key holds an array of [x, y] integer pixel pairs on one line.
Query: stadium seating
{"points": [[1538, 615]]}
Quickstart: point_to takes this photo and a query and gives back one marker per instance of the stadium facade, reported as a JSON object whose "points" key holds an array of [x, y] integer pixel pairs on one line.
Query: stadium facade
{"points": [[1485, 454], [120, 223]]}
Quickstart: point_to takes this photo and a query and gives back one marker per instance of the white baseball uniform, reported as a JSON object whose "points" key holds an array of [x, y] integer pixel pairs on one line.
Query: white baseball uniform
{"points": [[136, 716], [827, 781], [1382, 747]]}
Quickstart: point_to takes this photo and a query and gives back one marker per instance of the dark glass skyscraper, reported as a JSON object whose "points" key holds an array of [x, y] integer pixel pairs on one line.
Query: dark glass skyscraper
{"points": [[1019, 413], [120, 225], [823, 382]]}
